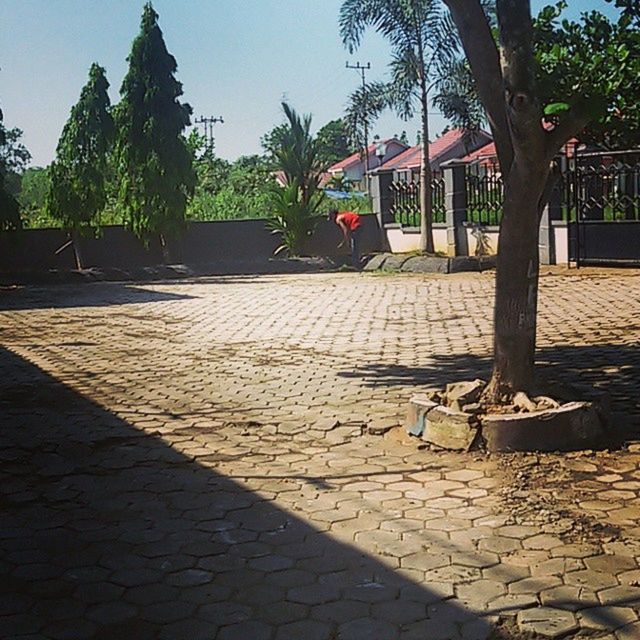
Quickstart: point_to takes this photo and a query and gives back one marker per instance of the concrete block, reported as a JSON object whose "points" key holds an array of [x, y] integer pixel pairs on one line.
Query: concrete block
{"points": [[467, 392], [573, 426], [450, 429], [419, 406]]}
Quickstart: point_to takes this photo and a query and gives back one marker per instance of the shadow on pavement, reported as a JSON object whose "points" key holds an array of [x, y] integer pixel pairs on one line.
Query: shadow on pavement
{"points": [[108, 532], [81, 295]]}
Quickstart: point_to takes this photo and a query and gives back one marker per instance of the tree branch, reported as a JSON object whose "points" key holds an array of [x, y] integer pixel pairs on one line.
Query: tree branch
{"points": [[576, 119], [522, 105], [484, 60]]}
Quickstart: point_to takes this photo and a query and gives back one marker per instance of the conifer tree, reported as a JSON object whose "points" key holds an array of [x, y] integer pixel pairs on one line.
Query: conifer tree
{"points": [[77, 176], [154, 165], [9, 208]]}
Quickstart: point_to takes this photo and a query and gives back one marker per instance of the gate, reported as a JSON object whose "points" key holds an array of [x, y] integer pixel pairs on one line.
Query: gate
{"points": [[604, 223]]}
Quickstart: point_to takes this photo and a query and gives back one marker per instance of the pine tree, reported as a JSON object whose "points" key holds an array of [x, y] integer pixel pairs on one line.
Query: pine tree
{"points": [[77, 176], [154, 165], [9, 208]]}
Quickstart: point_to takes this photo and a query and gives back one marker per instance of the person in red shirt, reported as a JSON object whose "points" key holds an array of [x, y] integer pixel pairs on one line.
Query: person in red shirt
{"points": [[350, 224]]}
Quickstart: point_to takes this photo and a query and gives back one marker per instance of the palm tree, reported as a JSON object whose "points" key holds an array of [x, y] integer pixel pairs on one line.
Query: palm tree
{"points": [[297, 155], [423, 42]]}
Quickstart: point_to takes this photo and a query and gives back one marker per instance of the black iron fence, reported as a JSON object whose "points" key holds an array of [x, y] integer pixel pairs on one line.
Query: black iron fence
{"points": [[485, 193], [405, 202]]}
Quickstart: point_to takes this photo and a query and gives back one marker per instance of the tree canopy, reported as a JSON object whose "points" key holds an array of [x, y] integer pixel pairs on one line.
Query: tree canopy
{"points": [[78, 174], [11, 157], [153, 162], [592, 64]]}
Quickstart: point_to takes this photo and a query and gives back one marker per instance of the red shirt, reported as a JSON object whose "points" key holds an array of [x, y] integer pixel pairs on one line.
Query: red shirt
{"points": [[351, 220]]}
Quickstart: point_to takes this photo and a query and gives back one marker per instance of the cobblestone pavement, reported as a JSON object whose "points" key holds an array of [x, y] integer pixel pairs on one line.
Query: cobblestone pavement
{"points": [[187, 461]]}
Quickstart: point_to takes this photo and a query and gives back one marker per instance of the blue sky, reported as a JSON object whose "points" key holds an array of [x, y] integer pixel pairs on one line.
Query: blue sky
{"points": [[235, 59]]}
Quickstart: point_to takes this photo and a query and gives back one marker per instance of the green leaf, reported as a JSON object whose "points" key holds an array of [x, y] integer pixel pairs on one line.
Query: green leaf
{"points": [[556, 108]]}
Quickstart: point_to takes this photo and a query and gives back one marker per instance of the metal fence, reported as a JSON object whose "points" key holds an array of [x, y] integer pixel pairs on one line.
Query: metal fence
{"points": [[405, 202], [485, 193]]}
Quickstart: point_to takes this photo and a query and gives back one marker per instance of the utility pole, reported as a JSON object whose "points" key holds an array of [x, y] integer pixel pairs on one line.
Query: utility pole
{"points": [[363, 68], [208, 128]]}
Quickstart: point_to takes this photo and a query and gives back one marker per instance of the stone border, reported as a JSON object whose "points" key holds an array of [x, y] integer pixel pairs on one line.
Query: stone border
{"points": [[411, 263], [572, 426]]}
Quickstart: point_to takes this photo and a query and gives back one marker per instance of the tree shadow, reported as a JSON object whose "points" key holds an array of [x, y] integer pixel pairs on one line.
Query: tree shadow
{"points": [[102, 294], [612, 368], [108, 532]]}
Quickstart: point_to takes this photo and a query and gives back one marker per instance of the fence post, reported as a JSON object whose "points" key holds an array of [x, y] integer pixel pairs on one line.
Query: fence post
{"points": [[455, 202], [381, 202], [546, 236]]}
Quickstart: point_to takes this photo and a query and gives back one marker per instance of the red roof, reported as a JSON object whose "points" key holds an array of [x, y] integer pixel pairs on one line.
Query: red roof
{"points": [[488, 151], [356, 157], [410, 159]]}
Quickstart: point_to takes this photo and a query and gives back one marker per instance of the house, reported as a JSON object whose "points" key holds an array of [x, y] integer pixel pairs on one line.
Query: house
{"points": [[453, 144], [352, 168]]}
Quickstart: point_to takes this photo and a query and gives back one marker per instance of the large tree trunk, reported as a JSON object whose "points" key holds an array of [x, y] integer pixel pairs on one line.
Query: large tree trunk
{"points": [[516, 294]]}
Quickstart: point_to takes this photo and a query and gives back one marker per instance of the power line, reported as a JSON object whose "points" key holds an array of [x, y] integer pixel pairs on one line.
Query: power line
{"points": [[208, 128]]}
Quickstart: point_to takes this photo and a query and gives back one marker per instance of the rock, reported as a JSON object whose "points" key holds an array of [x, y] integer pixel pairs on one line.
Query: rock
{"points": [[522, 401], [434, 394], [545, 402], [634, 447], [394, 262], [376, 262], [426, 264], [450, 429], [463, 393], [572, 426], [475, 407], [419, 406]]}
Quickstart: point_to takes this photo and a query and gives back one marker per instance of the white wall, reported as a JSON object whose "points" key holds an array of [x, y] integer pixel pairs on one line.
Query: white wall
{"points": [[406, 240], [562, 244], [491, 234]]}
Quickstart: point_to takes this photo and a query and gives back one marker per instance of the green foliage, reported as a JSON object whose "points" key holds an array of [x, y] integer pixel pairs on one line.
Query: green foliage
{"points": [[294, 205], [359, 204], [293, 218], [226, 191], [333, 142], [9, 151], [272, 140], [457, 98], [592, 63], [154, 164], [77, 191], [35, 186]]}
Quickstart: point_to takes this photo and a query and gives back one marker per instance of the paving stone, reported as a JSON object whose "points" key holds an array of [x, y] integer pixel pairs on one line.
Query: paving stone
{"points": [[477, 595], [215, 495], [591, 580], [547, 622], [568, 597], [606, 618], [307, 629], [251, 629], [365, 629], [610, 564]]}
